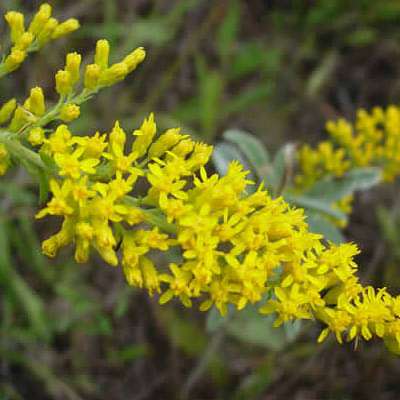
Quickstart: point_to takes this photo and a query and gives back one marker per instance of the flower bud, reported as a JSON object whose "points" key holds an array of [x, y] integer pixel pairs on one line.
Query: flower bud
{"points": [[133, 59], [82, 251], [72, 65], [69, 112], [165, 142], [108, 255], [15, 21], [35, 103], [112, 75], [14, 60], [92, 75], [200, 156], [144, 136], [102, 53], [24, 41], [63, 83], [36, 136], [6, 110], [183, 148], [66, 27], [150, 276], [50, 246], [84, 230], [45, 33], [20, 118], [117, 136], [40, 19], [62, 238]]}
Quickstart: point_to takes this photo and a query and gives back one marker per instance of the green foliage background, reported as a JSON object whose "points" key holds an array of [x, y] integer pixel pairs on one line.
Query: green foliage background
{"points": [[277, 69]]}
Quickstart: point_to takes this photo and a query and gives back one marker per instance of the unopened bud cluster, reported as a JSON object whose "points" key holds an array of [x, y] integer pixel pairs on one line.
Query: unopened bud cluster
{"points": [[42, 29]]}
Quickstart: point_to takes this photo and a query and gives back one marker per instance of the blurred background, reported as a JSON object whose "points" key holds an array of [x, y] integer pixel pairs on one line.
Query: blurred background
{"points": [[277, 69]]}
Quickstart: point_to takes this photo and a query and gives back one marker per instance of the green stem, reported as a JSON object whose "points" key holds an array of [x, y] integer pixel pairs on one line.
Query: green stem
{"points": [[17, 149], [3, 71], [195, 375], [54, 112]]}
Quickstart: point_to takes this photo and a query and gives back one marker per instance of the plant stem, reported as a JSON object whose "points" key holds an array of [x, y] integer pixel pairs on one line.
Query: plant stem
{"points": [[200, 368], [20, 151]]}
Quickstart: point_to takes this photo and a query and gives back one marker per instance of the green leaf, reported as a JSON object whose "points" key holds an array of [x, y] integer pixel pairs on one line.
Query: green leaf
{"points": [[246, 98], [250, 327], [17, 288], [253, 385], [333, 189], [43, 186], [253, 149], [252, 57], [315, 204], [32, 305], [210, 89], [215, 320], [27, 244], [49, 162], [18, 195], [5, 250], [183, 332], [227, 32], [128, 353], [362, 37], [321, 75], [319, 224], [283, 160], [224, 153]]}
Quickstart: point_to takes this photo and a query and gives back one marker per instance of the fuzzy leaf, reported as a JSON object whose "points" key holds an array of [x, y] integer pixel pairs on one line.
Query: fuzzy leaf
{"points": [[333, 189], [253, 149]]}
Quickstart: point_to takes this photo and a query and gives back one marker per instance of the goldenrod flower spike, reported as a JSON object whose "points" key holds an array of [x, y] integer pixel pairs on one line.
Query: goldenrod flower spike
{"points": [[42, 29], [232, 247], [372, 141]]}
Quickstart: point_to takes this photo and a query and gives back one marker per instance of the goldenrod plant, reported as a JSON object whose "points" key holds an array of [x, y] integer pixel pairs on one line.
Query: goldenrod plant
{"points": [[133, 196], [372, 141]]}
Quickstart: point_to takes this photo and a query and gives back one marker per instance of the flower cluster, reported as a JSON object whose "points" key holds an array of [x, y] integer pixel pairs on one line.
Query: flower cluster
{"points": [[145, 201], [28, 120], [373, 140], [229, 245], [42, 29]]}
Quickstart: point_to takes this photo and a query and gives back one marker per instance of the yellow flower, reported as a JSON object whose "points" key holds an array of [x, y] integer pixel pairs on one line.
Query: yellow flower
{"points": [[289, 304], [59, 204], [93, 146], [178, 284], [59, 142], [164, 184], [71, 166], [144, 137]]}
